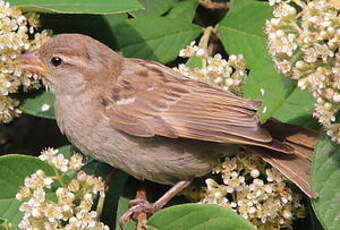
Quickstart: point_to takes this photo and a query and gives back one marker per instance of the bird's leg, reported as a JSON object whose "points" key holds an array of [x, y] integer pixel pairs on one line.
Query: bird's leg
{"points": [[109, 176], [139, 217], [143, 206]]}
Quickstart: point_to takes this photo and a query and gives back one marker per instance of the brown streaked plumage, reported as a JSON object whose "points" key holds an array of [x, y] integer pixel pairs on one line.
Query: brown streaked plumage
{"points": [[141, 116], [161, 102]]}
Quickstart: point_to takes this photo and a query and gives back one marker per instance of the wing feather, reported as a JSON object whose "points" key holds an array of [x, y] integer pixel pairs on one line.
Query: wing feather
{"points": [[161, 102]]}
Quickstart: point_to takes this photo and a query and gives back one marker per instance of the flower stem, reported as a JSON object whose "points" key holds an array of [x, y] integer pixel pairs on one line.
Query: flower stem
{"points": [[204, 41]]}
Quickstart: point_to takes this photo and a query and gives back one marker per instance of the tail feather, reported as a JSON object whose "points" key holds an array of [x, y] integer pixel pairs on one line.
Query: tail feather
{"points": [[302, 140], [278, 146], [295, 168], [297, 140]]}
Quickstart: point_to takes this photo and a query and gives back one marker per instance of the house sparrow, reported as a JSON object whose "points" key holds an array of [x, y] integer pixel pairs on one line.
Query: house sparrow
{"points": [[140, 116]]}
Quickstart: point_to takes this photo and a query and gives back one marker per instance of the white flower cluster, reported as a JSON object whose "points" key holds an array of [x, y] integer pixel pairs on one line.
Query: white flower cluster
{"points": [[304, 40], [215, 70], [255, 191], [59, 162], [16, 31], [71, 209]]}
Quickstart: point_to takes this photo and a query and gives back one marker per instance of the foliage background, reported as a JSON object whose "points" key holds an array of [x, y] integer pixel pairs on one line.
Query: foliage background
{"points": [[157, 30]]}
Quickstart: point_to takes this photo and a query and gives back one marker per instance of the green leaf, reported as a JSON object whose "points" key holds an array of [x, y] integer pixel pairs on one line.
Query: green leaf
{"points": [[78, 6], [184, 10], [92, 166], [13, 170], [155, 38], [194, 62], [96, 26], [242, 30], [123, 206], [112, 199], [242, 33], [298, 109], [154, 7], [196, 217], [276, 90], [67, 150], [97, 168], [325, 180], [4, 224], [115, 18], [36, 103]]}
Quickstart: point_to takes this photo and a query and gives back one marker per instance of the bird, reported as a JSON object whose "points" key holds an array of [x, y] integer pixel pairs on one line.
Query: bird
{"points": [[143, 117]]}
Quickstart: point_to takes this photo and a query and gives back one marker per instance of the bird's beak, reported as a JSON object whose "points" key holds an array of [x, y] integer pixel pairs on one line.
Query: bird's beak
{"points": [[31, 62]]}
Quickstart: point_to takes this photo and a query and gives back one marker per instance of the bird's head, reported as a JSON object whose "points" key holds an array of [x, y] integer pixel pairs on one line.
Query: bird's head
{"points": [[70, 62]]}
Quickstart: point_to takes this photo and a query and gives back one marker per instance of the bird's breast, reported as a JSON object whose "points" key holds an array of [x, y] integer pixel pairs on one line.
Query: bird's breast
{"points": [[77, 118]]}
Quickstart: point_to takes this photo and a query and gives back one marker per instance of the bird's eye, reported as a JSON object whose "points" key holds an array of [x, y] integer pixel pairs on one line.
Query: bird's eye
{"points": [[56, 61]]}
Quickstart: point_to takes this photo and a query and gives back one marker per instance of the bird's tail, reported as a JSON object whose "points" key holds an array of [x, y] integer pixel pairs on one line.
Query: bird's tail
{"points": [[292, 139], [300, 141]]}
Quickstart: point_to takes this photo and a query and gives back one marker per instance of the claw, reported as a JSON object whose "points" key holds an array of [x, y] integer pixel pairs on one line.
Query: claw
{"points": [[124, 218], [135, 202], [138, 207]]}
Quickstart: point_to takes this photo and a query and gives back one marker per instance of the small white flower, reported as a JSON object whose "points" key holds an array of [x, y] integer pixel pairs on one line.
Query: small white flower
{"points": [[251, 210], [287, 214], [200, 52], [284, 200], [48, 181], [88, 196], [234, 174], [268, 188], [76, 162], [45, 107], [336, 98], [255, 173], [262, 91], [59, 162], [273, 2], [258, 182]]}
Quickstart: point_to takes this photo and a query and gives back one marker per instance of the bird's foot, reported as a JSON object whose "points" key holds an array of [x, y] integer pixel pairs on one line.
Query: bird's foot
{"points": [[139, 208]]}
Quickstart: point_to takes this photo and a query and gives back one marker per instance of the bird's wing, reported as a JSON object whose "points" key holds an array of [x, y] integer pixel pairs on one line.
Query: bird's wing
{"points": [[149, 99]]}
